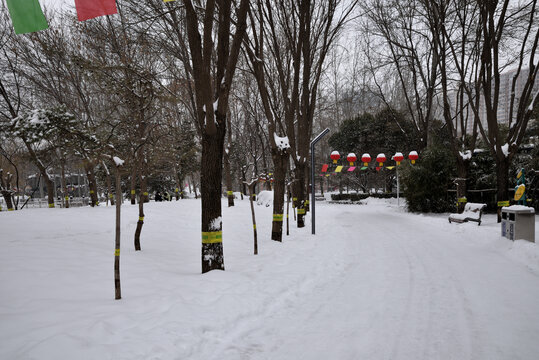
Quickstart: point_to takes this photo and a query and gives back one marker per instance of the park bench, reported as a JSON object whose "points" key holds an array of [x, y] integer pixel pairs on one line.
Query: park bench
{"points": [[472, 212]]}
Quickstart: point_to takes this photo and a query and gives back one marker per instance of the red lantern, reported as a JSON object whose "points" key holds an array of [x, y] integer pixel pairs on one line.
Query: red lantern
{"points": [[413, 156], [335, 156], [381, 158], [366, 158], [398, 157], [351, 158]]}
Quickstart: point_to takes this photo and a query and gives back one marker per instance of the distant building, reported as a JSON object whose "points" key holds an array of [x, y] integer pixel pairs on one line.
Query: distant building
{"points": [[504, 101]]}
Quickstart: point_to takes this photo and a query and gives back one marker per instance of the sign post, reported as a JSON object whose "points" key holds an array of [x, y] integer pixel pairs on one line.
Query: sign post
{"points": [[313, 204]]}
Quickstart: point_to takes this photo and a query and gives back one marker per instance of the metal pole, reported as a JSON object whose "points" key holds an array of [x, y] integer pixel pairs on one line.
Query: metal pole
{"points": [[313, 204], [398, 186]]}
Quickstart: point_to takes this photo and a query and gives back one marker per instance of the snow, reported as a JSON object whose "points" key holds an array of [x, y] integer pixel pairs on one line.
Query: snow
{"points": [[215, 224], [505, 149], [282, 142], [413, 153], [466, 155], [519, 208], [375, 282], [265, 198], [118, 161], [335, 152]]}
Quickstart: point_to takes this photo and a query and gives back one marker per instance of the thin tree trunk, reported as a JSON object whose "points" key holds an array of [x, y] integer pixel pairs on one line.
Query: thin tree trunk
{"points": [[228, 178], [462, 173], [280, 160], [502, 182], [64, 185], [288, 195], [6, 192], [110, 196], [134, 185], [117, 287], [142, 199], [300, 193], [92, 183], [255, 243]]}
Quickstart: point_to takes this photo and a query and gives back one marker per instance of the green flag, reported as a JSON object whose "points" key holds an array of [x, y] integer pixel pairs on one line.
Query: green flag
{"points": [[26, 16]]}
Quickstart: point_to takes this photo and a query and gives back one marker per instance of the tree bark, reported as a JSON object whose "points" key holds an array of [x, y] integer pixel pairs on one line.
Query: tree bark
{"points": [[280, 161], [64, 185], [300, 193], [6, 192], [134, 185], [92, 183], [210, 192], [255, 241], [502, 183], [117, 287], [142, 199]]}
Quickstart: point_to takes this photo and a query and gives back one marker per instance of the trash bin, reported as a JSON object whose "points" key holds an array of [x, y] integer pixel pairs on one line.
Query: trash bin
{"points": [[518, 223]]}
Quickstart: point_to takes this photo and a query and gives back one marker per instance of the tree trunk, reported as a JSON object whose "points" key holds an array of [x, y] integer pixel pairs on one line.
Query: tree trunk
{"points": [[288, 196], [6, 192], [117, 287], [462, 173], [210, 191], [502, 183], [92, 183], [228, 178], [251, 191], [64, 186], [134, 185], [48, 182], [300, 193], [280, 160], [142, 199]]}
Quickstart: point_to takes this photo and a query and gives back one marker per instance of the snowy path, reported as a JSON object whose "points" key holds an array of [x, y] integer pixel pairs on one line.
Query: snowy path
{"points": [[374, 283], [406, 296]]}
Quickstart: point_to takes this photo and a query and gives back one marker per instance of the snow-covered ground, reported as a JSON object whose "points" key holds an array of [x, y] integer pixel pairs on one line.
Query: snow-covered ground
{"points": [[375, 282]]}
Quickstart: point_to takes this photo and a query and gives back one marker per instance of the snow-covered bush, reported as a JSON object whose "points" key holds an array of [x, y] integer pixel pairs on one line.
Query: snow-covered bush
{"points": [[264, 198]]}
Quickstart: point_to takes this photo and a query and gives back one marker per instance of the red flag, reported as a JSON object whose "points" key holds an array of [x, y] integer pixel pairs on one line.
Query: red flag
{"points": [[89, 9]]}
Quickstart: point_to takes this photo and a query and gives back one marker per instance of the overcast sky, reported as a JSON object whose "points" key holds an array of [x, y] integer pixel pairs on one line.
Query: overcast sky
{"points": [[56, 3]]}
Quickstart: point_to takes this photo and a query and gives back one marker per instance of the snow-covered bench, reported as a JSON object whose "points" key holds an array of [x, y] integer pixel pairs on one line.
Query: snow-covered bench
{"points": [[472, 212]]}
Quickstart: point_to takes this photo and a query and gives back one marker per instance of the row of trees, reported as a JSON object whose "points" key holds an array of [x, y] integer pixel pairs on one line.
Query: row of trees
{"points": [[240, 77], [236, 88]]}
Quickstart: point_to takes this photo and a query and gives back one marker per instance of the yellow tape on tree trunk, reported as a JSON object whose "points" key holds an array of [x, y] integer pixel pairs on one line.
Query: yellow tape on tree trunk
{"points": [[462, 200], [51, 205], [9, 209], [111, 196], [133, 192], [503, 203], [66, 198], [92, 192], [212, 237], [145, 194], [176, 190], [254, 226], [301, 211], [277, 217], [141, 218], [306, 202], [230, 193], [117, 252]]}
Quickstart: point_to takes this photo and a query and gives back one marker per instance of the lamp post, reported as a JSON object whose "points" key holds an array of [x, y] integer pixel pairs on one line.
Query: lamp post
{"points": [[313, 204]]}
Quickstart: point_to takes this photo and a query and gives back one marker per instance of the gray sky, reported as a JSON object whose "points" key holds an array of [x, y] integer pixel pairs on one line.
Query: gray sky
{"points": [[56, 3]]}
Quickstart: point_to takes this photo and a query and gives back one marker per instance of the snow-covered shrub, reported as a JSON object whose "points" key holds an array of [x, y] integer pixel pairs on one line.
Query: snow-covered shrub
{"points": [[264, 198]]}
